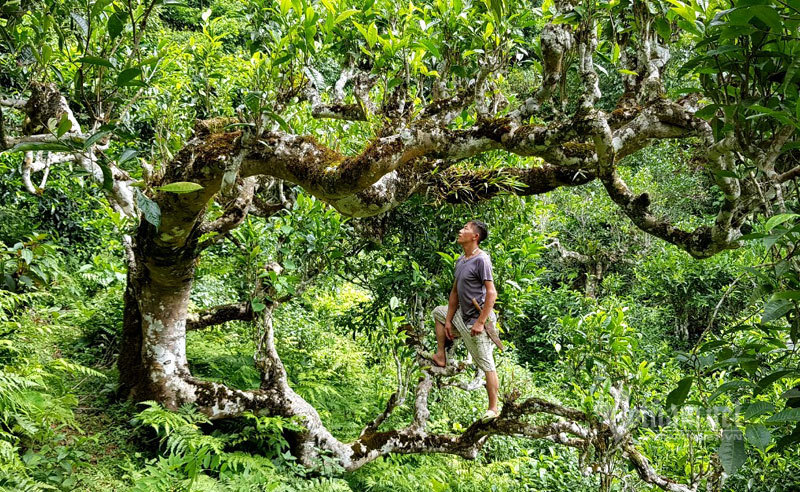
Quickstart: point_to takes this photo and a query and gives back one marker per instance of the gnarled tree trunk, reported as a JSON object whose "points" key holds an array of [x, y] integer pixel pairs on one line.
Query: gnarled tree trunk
{"points": [[153, 352]]}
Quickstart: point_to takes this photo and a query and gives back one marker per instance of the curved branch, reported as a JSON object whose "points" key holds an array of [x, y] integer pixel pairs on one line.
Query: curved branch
{"points": [[239, 311], [335, 110], [13, 103], [648, 474], [44, 105], [704, 241], [468, 186], [397, 399], [567, 254], [556, 41], [234, 213]]}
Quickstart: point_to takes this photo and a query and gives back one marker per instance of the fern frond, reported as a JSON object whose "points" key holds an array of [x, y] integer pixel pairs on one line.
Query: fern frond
{"points": [[11, 301], [240, 462], [64, 365]]}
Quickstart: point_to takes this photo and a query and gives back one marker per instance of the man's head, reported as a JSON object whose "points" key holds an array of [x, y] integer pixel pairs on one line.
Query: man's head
{"points": [[474, 230]]}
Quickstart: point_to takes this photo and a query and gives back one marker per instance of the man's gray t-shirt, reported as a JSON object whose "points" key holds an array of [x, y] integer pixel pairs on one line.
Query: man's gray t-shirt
{"points": [[470, 275]]}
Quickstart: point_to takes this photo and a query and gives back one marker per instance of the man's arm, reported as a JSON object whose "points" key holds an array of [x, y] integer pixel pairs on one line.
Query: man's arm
{"points": [[452, 303], [491, 297]]}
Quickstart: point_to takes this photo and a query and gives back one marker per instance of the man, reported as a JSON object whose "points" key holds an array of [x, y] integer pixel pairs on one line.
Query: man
{"points": [[473, 279]]}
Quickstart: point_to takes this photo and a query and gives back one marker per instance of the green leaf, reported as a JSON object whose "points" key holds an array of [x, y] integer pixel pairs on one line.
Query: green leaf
{"points": [[728, 386], [712, 345], [126, 155], [788, 439], [115, 25], [787, 294], [768, 15], [372, 34], [346, 14], [683, 10], [96, 60], [94, 138], [779, 219], [126, 76], [731, 450], [663, 28], [785, 415], [281, 122], [758, 435], [776, 309], [81, 22], [677, 396], [63, 126], [180, 187], [257, 306], [282, 59], [497, 8], [790, 394], [724, 173], [707, 112], [627, 72], [108, 177], [99, 6], [767, 381], [27, 255], [431, 47], [728, 48], [39, 146], [758, 408], [149, 208]]}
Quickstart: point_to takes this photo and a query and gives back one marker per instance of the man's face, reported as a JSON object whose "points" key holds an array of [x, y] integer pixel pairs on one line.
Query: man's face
{"points": [[467, 234]]}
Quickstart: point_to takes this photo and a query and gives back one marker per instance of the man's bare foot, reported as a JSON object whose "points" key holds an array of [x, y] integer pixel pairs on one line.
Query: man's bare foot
{"points": [[440, 361]]}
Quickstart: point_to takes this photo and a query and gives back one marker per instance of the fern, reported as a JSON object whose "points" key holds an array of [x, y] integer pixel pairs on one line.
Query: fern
{"points": [[182, 438], [17, 404], [240, 462], [164, 422], [13, 475], [11, 301], [9, 457], [64, 365]]}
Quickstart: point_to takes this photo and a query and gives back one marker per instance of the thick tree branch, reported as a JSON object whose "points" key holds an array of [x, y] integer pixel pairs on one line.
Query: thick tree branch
{"points": [[45, 105], [651, 56], [239, 311], [556, 41], [648, 474], [234, 212], [567, 254], [335, 110], [587, 45], [397, 399], [13, 103], [468, 186]]}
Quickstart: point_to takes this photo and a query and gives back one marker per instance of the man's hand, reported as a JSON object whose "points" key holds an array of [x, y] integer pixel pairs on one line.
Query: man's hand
{"points": [[448, 329], [477, 329]]}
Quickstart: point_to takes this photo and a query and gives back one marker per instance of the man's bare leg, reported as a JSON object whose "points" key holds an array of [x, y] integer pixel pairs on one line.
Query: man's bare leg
{"points": [[492, 385], [439, 358]]}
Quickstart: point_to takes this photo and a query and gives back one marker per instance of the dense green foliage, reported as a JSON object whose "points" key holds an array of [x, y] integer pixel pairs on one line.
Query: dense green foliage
{"points": [[706, 349]]}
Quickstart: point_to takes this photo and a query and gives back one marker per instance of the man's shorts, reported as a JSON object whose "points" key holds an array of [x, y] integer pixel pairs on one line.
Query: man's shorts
{"points": [[479, 347]]}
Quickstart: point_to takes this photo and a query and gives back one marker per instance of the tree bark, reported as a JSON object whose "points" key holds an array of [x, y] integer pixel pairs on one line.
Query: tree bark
{"points": [[153, 350]]}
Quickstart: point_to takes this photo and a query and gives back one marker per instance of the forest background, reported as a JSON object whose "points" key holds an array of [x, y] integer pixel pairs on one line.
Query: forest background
{"points": [[683, 371]]}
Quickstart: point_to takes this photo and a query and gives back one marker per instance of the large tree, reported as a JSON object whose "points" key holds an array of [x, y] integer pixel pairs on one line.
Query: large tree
{"points": [[427, 87]]}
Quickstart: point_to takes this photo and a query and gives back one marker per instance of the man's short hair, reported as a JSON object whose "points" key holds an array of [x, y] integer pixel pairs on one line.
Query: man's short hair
{"points": [[481, 229]]}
